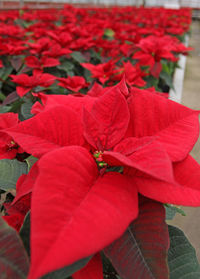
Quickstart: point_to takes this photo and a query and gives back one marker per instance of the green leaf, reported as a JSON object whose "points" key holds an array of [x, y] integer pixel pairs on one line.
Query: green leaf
{"points": [[2, 96], [95, 55], [26, 110], [151, 81], [31, 161], [167, 79], [77, 56], [109, 33], [108, 270], [141, 252], [66, 66], [25, 233], [4, 109], [10, 171], [14, 261], [5, 71], [15, 107], [182, 258], [171, 211], [63, 273]]}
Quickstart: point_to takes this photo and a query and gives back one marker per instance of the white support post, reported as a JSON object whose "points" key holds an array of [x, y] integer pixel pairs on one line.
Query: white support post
{"points": [[21, 3]]}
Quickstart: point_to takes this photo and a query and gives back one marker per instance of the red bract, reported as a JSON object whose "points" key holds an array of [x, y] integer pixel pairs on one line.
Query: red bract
{"points": [[133, 74], [153, 49], [8, 148], [84, 139], [40, 46], [103, 71], [74, 83], [40, 64], [62, 38], [17, 212], [55, 50], [27, 83], [92, 270]]}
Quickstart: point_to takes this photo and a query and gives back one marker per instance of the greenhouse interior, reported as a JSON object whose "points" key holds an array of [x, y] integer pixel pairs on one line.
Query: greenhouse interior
{"points": [[99, 139]]}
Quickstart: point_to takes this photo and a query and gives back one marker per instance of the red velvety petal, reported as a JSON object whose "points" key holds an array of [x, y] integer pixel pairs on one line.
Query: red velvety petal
{"points": [[129, 145], [7, 154], [122, 87], [22, 79], [107, 122], [21, 91], [156, 69], [25, 183], [56, 127], [147, 156], [32, 62], [8, 119], [187, 173], [76, 212], [144, 58], [96, 91], [93, 270], [166, 192], [8, 149], [15, 221], [50, 62], [175, 126], [16, 212], [75, 103]]}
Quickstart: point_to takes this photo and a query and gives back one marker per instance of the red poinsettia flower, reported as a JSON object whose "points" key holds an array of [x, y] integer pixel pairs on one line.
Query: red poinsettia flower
{"points": [[103, 71], [27, 83], [74, 83], [40, 64], [132, 73], [84, 139], [152, 50], [55, 50], [62, 38], [38, 47], [16, 212], [8, 148]]}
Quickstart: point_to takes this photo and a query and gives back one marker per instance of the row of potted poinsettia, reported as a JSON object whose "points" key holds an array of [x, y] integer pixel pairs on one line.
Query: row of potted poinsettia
{"points": [[77, 46], [91, 147]]}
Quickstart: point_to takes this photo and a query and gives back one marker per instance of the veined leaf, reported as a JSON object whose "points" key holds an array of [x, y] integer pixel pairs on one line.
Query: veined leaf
{"points": [[31, 161], [10, 171], [167, 79], [66, 66], [25, 232], [171, 211], [63, 273], [26, 110], [5, 71], [4, 109], [13, 258], [141, 252], [77, 56], [182, 258]]}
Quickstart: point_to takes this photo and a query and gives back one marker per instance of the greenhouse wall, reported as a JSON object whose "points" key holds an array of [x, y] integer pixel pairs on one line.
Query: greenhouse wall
{"points": [[148, 3]]}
